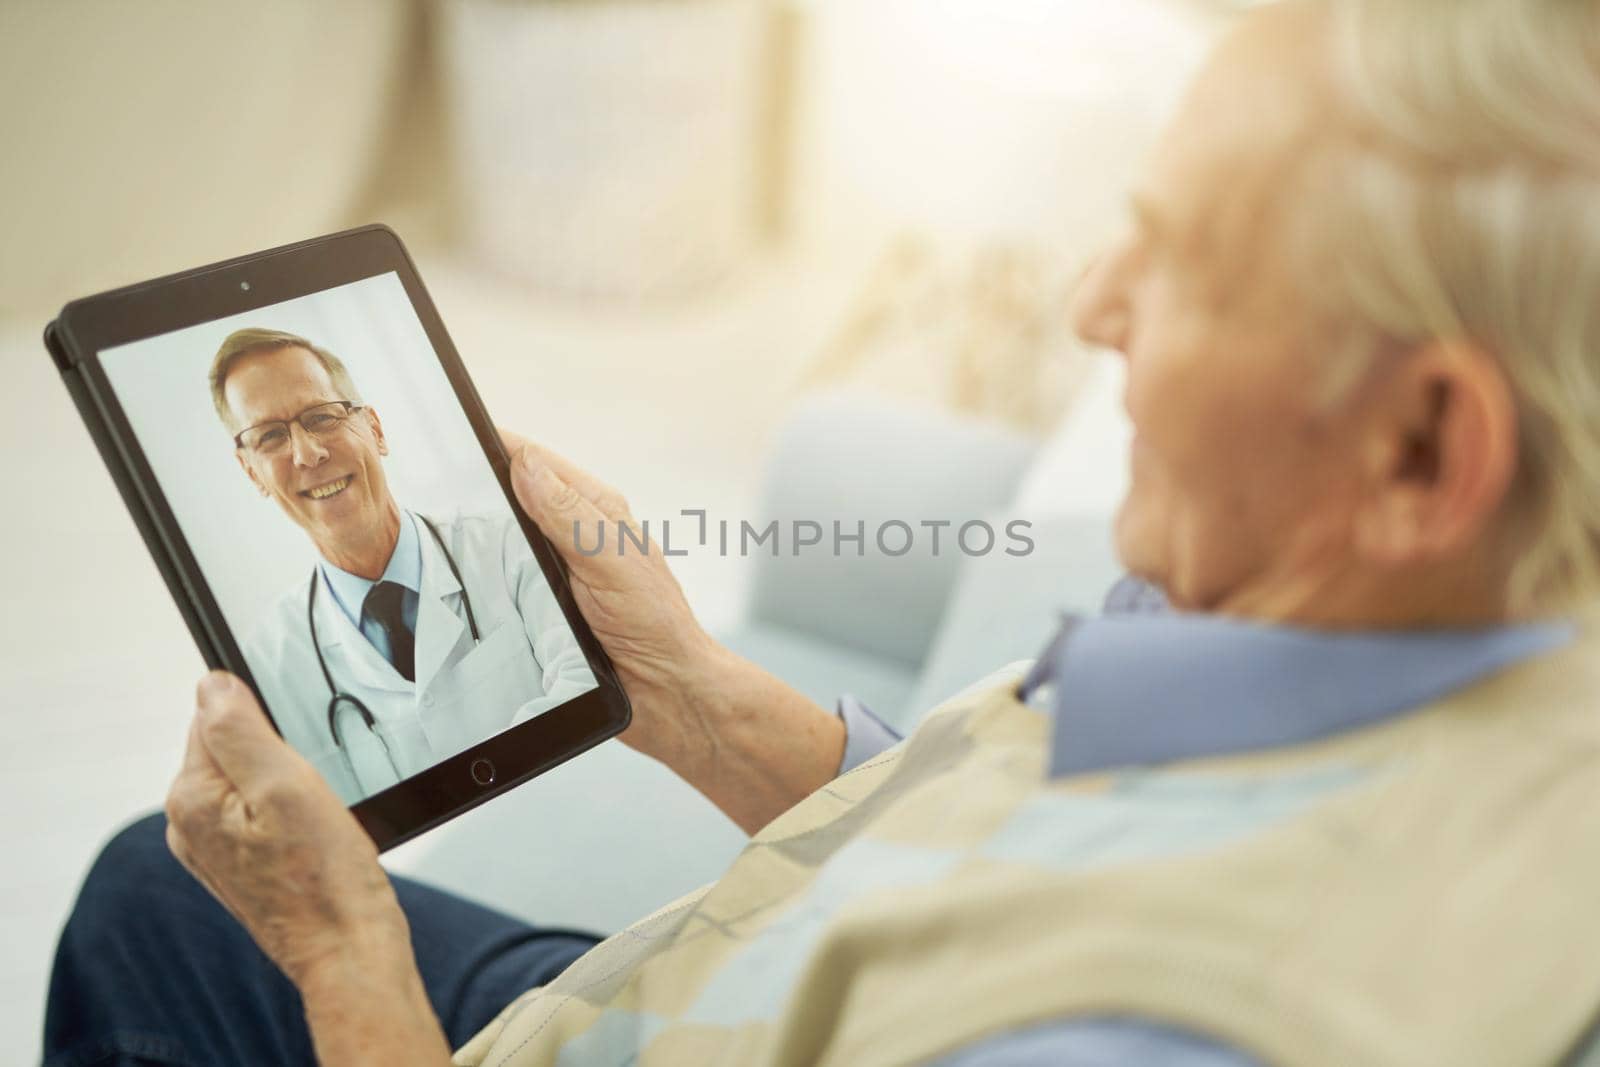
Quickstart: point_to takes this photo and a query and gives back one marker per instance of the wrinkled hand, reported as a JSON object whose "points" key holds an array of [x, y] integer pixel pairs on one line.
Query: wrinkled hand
{"points": [[632, 602], [256, 824]]}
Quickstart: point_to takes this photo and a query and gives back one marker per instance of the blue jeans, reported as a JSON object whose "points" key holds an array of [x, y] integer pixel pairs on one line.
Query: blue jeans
{"points": [[152, 970]]}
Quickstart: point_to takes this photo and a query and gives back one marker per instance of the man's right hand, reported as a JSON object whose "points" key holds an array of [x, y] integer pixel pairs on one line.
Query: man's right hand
{"points": [[747, 741], [632, 602]]}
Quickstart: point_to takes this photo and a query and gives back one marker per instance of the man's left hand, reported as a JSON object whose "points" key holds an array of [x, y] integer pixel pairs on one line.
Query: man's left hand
{"points": [[267, 836], [254, 822]]}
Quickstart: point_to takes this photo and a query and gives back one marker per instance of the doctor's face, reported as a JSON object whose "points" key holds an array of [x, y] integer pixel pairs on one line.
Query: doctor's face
{"points": [[330, 483]]}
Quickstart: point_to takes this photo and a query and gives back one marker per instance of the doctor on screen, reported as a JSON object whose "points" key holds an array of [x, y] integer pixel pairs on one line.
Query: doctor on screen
{"points": [[410, 638]]}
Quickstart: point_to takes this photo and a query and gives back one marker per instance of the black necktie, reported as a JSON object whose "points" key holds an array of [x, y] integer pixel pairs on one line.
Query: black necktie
{"points": [[383, 607]]}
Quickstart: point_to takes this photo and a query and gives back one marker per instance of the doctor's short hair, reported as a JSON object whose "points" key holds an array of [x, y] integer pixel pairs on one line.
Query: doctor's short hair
{"points": [[249, 341]]}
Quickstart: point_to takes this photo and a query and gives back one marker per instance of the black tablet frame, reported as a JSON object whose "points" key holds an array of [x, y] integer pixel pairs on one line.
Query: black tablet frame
{"points": [[93, 324]]}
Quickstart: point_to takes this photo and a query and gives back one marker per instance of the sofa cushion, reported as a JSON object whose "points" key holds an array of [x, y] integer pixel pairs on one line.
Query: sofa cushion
{"points": [[858, 458], [825, 670], [1004, 608]]}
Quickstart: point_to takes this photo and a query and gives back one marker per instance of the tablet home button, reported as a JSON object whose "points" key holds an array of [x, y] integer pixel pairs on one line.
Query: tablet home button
{"points": [[482, 771]]}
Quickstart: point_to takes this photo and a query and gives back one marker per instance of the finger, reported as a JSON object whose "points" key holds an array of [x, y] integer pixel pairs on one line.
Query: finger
{"points": [[567, 518], [196, 760], [237, 737], [198, 772], [178, 846], [532, 455], [191, 829], [194, 797]]}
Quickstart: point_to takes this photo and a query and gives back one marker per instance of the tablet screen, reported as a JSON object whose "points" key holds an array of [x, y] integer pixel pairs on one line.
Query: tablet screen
{"points": [[351, 530]]}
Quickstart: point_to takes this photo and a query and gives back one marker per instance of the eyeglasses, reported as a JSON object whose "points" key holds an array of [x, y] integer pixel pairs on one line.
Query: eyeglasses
{"points": [[320, 420]]}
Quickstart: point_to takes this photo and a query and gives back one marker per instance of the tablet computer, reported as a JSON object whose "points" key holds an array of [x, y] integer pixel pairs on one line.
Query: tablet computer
{"points": [[331, 507]]}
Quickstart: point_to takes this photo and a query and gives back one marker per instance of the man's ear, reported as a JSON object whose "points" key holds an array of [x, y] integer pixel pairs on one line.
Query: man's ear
{"points": [[1441, 452], [250, 470], [377, 429]]}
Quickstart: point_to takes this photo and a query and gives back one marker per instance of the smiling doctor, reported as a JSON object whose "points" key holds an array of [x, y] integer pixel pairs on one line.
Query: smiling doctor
{"points": [[411, 638]]}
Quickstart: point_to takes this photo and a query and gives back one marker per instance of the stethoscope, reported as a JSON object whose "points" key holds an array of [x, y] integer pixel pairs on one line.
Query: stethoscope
{"points": [[338, 695]]}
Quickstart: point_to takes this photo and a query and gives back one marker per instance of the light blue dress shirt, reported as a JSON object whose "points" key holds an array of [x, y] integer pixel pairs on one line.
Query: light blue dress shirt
{"points": [[404, 569], [1141, 685]]}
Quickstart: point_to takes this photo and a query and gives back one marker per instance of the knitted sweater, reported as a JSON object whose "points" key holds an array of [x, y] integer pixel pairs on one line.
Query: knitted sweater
{"points": [[1416, 892]]}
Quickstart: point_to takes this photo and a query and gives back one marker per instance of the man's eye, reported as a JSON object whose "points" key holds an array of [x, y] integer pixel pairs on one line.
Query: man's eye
{"points": [[319, 422], [272, 437]]}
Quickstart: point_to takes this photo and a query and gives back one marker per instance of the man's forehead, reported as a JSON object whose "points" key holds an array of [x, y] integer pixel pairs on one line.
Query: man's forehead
{"points": [[262, 381], [1257, 104]]}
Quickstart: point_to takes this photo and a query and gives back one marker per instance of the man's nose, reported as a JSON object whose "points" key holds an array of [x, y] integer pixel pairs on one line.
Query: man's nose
{"points": [[1099, 312], [308, 451]]}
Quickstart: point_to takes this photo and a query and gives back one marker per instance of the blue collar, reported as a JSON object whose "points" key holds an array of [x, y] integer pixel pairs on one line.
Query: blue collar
{"points": [[404, 568], [1147, 687]]}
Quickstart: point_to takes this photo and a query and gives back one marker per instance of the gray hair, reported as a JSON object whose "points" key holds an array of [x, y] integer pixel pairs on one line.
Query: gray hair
{"points": [[1462, 203], [241, 343]]}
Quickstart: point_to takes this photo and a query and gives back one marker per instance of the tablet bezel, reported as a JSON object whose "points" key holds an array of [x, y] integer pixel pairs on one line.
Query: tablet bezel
{"points": [[89, 326]]}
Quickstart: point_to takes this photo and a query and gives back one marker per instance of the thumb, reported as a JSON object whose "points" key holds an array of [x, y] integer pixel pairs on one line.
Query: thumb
{"points": [[237, 735], [563, 514]]}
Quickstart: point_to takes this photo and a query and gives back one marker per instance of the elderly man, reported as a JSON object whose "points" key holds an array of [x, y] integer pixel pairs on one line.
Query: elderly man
{"points": [[1339, 807], [444, 630]]}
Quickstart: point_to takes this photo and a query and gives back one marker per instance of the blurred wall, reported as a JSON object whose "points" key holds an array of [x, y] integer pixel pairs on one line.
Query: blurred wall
{"points": [[143, 138], [977, 121]]}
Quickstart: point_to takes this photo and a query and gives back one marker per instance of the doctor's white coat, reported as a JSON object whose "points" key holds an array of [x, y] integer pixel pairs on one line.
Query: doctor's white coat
{"points": [[526, 662]]}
